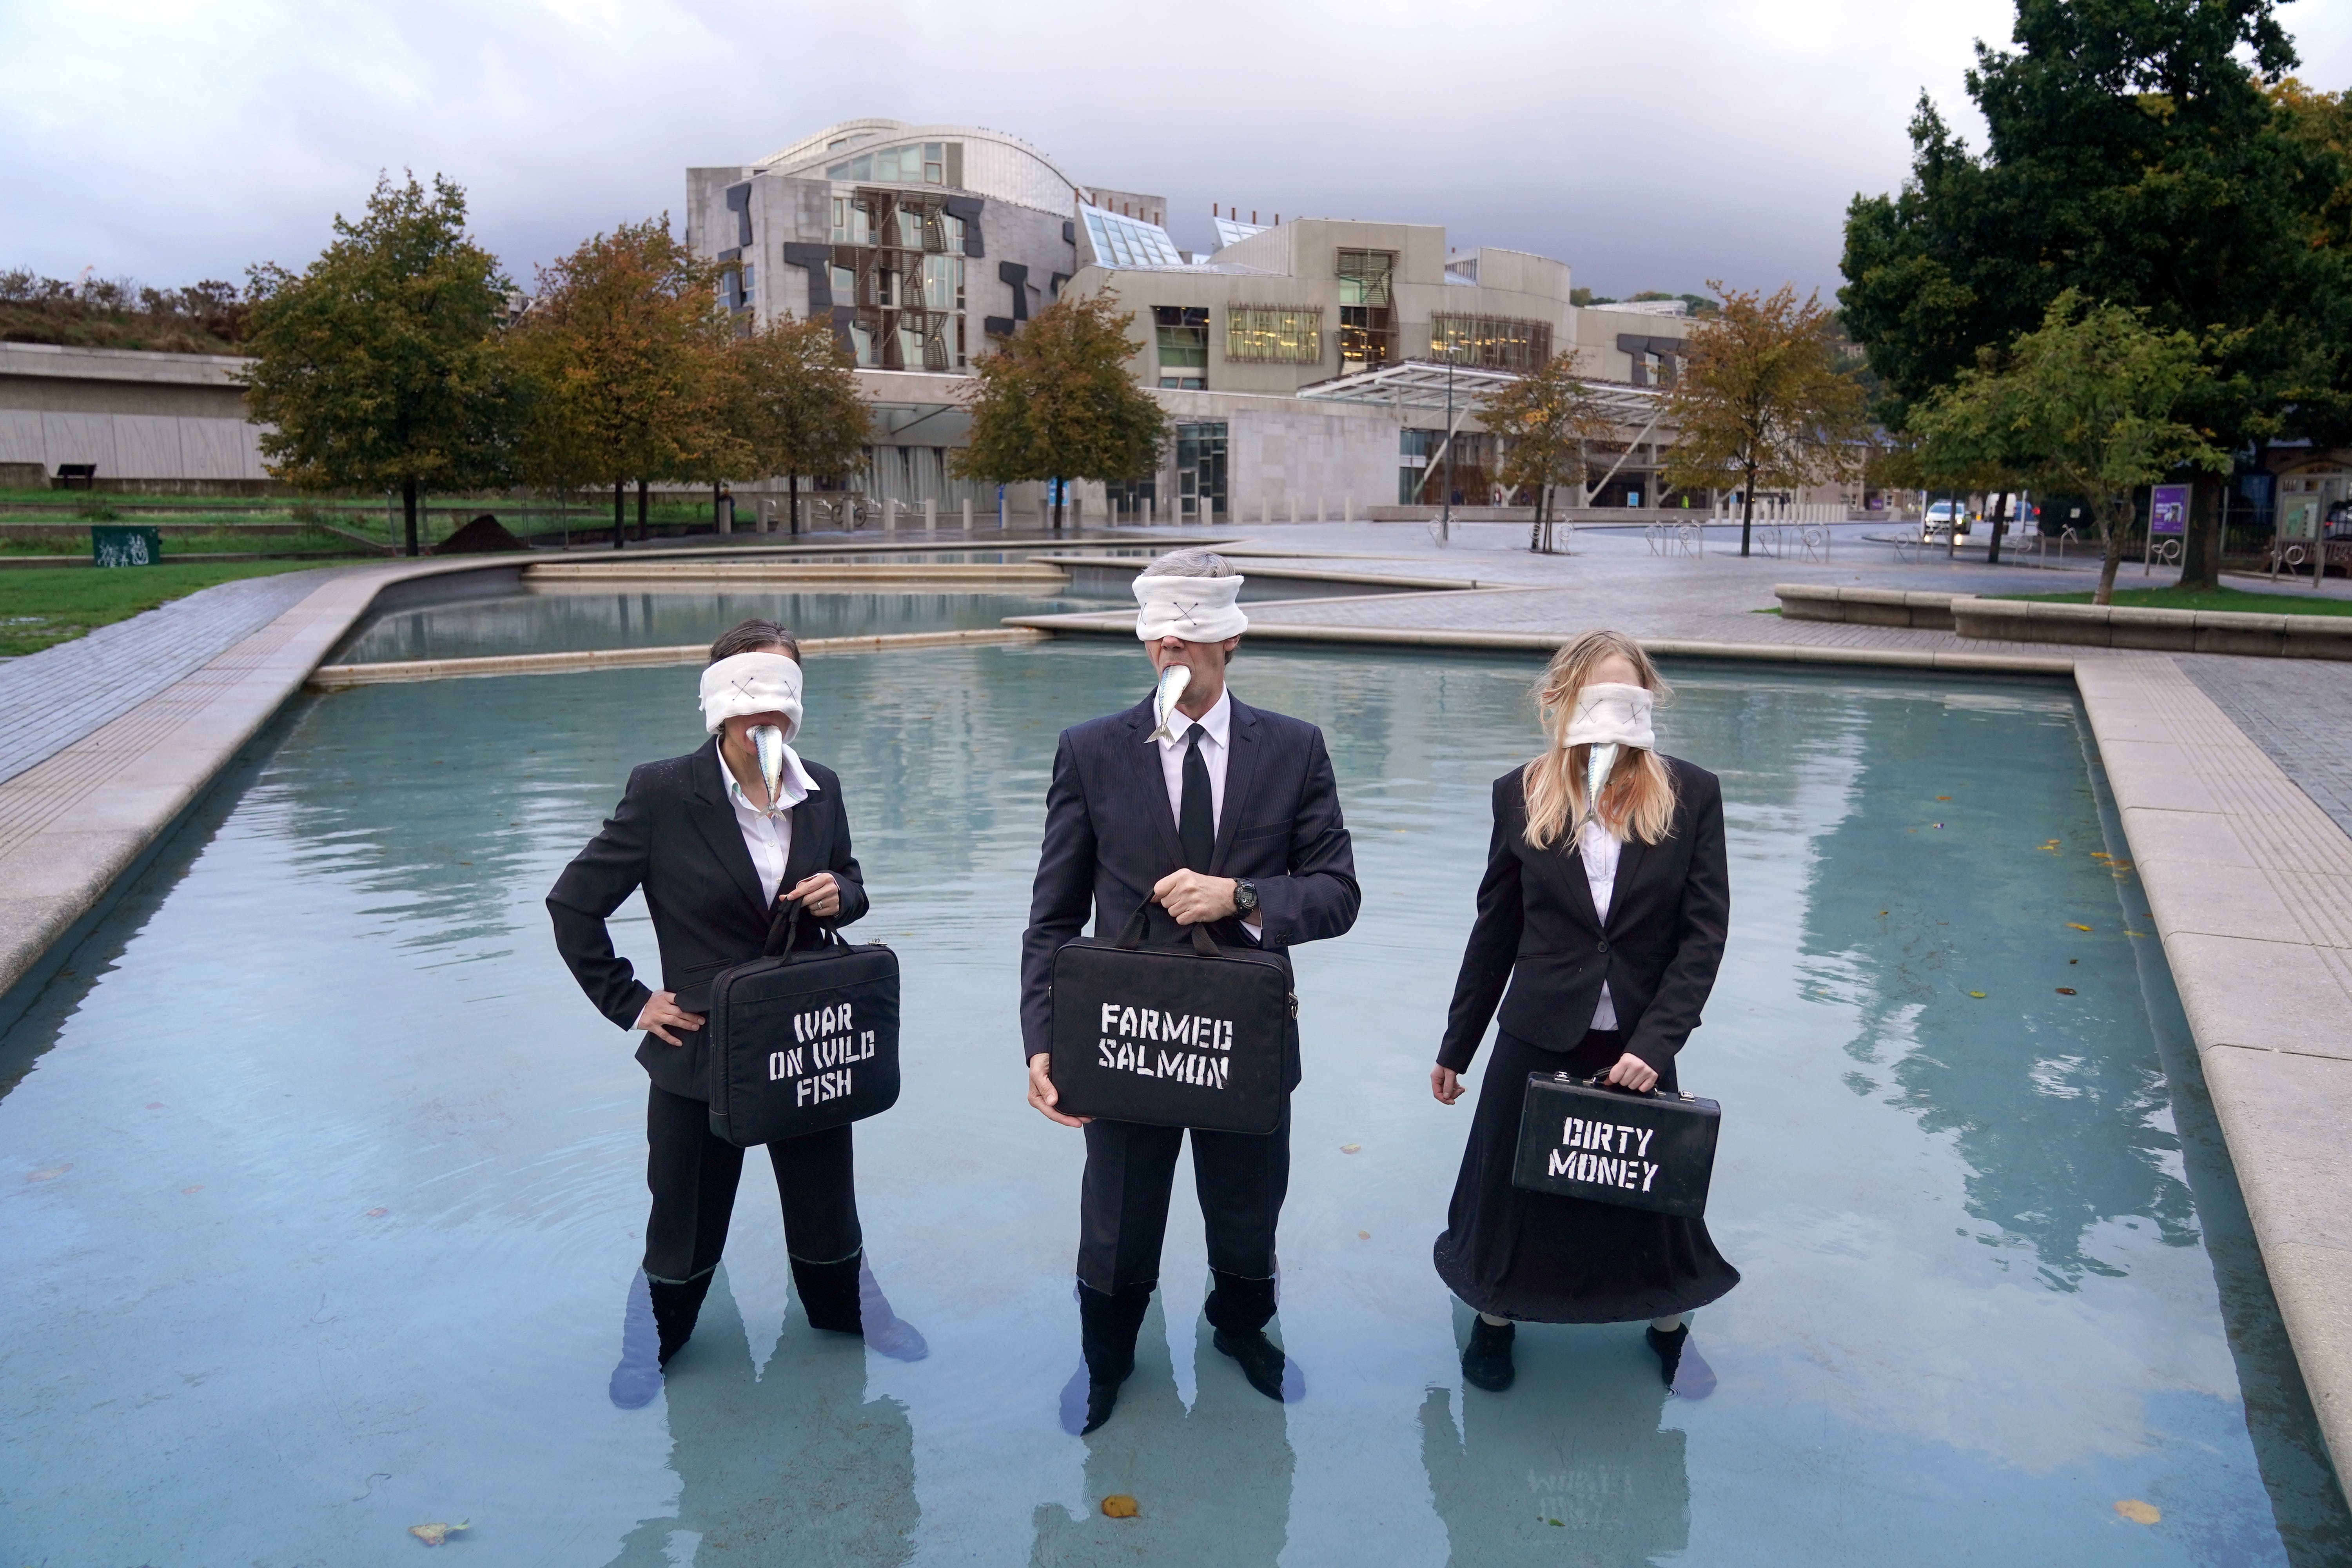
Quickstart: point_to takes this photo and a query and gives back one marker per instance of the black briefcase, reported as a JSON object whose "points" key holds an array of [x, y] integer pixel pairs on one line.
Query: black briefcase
{"points": [[1646, 1151], [1171, 1037], [802, 1041]]}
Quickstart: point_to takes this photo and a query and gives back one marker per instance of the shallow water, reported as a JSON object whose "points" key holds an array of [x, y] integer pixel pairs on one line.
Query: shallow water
{"points": [[324, 1186], [563, 620]]}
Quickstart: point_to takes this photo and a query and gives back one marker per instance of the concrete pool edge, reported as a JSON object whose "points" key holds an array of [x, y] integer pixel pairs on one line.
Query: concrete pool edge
{"points": [[2249, 882]]}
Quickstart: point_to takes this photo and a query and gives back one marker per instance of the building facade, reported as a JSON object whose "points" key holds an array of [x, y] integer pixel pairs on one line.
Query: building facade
{"points": [[1282, 353]]}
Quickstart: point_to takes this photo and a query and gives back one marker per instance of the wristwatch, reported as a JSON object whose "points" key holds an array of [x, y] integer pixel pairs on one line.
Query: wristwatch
{"points": [[1245, 897]]}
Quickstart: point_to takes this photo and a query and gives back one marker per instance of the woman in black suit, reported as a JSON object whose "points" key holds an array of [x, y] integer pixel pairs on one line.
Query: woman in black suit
{"points": [[720, 859], [1603, 910]]}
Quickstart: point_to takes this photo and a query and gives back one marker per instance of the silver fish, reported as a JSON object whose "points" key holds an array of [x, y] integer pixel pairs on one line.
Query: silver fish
{"points": [[1596, 773], [1164, 698], [768, 743]]}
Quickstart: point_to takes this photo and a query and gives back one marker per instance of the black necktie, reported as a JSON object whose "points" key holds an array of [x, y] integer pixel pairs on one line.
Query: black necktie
{"points": [[1196, 821]]}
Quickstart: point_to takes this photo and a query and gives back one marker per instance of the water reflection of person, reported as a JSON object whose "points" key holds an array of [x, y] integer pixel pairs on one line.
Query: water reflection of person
{"points": [[1603, 908], [788, 1463], [1604, 1484], [1211, 1484]]}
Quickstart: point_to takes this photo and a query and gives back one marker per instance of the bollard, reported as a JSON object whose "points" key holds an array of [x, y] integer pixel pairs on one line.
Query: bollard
{"points": [[966, 514], [889, 515], [930, 515], [1147, 512], [1347, 509]]}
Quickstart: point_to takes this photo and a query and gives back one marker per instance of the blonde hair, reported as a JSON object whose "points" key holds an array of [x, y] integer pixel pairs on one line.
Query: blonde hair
{"points": [[1638, 799]]}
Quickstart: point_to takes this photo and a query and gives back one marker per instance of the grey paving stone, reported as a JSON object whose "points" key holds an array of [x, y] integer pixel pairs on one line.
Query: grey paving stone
{"points": [[51, 699], [2299, 712]]}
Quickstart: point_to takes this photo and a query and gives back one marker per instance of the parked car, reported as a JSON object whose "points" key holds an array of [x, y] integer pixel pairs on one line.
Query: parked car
{"points": [[1939, 518]]}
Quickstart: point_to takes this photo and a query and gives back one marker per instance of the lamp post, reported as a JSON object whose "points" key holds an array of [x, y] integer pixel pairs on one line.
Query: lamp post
{"points": [[1445, 518]]}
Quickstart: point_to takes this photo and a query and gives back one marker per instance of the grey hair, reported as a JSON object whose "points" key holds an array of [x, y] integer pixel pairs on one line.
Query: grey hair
{"points": [[1191, 561]]}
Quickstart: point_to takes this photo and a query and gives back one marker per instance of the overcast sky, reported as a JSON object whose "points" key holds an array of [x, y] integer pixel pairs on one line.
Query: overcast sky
{"points": [[1650, 145]]}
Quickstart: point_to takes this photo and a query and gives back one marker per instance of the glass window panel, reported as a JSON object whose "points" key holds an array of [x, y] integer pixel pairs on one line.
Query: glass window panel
{"points": [[862, 168], [845, 285]]}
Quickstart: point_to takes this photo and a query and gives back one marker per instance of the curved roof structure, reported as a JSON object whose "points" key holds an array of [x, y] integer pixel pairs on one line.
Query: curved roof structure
{"points": [[994, 164]]}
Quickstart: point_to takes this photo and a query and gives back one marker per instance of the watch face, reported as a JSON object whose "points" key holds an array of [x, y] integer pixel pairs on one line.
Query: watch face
{"points": [[1245, 896]]}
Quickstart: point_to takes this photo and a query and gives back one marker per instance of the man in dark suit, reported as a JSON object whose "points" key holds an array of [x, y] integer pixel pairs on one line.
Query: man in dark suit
{"points": [[1227, 816], [720, 860]]}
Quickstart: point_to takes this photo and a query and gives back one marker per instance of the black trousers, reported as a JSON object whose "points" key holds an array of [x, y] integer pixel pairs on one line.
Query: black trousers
{"points": [[1132, 1170], [693, 1177]]}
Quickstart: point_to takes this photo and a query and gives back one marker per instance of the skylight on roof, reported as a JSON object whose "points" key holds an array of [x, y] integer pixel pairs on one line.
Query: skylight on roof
{"points": [[1229, 231], [1130, 242]]}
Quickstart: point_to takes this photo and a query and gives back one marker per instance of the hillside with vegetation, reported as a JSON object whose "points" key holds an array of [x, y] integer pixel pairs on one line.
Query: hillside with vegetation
{"points": [[205, 317]]}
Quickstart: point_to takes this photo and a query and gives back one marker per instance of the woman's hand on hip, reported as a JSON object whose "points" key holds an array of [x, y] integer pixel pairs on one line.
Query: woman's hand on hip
{"points": [[1632, 1072], [1445, 1084], [819, 895], [1044, 1096], [661, 1014]]}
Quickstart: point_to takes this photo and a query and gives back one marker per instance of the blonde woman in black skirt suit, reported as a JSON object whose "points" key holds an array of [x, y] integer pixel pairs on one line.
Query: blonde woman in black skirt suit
{"points": [[1599, 927]]}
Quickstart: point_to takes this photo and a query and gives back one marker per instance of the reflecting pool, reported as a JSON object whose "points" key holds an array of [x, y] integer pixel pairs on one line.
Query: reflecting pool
{"points": [[324, 1184], [558, 619]]}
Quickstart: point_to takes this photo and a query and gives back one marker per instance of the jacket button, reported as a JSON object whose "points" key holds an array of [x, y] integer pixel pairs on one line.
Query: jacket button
{"points": [[1604, 944]]}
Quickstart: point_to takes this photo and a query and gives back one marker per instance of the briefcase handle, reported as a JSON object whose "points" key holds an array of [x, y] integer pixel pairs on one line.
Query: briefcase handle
{"points": [[786, 926], [1601, 1080], [1131, 936]]}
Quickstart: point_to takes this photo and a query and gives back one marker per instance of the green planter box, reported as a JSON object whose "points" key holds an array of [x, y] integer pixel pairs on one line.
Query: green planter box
{"points": [[111, 545]]}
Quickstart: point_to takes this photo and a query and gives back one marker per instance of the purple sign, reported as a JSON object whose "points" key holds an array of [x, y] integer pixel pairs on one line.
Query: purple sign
{"points": [[2167, 509]]}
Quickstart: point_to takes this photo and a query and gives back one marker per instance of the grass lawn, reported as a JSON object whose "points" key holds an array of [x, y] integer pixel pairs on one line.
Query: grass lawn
{"points": [[2286, 602], [54, 606]]}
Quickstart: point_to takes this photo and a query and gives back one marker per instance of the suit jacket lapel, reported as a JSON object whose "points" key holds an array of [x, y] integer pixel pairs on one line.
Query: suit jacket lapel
{"points": [[1241, 773], [1146, 780], [714, 819], [1629, 867]]}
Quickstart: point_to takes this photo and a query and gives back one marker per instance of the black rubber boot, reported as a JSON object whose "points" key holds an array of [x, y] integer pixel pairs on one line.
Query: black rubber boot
{"points": [[1685, 1370], [1239, 1310], [675, 1307], [1486, 1361], [829, 1294], [1106, 1328]]}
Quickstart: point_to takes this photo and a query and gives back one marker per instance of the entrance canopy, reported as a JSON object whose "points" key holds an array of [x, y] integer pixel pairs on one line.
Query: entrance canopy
{"points": [[1422, 384]]}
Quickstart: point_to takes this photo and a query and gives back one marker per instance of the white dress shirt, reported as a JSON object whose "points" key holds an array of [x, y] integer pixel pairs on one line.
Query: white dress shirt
{"points": [[1598, 851], [1216, 751], [769, 838]]}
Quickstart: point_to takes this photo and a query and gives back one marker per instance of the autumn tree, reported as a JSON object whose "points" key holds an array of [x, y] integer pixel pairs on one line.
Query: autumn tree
{"points": [[2143, 153], [380, 366], [1548, 420], [797, 408], [626, 349], [1056, 402], [2086, 403], [1763, 400]]}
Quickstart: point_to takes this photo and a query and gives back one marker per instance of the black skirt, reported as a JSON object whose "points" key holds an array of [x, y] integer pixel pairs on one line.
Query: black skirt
{"points": [[1540, 1257]]}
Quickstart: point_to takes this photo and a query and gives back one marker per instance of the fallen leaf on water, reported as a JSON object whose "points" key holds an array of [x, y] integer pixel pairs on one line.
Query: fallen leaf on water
{"points": [[1943, 797], [435, 1534], [2101, 855], [1363, 1235], [51, 1174], [1979, 993], [2065, 991], [154, 1105], [2139, 1513], [1882, 913], [2135, 933], [2075, 925], [197, 1188], [377, 1213], [1350, 1148], [1118, 1505]]}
